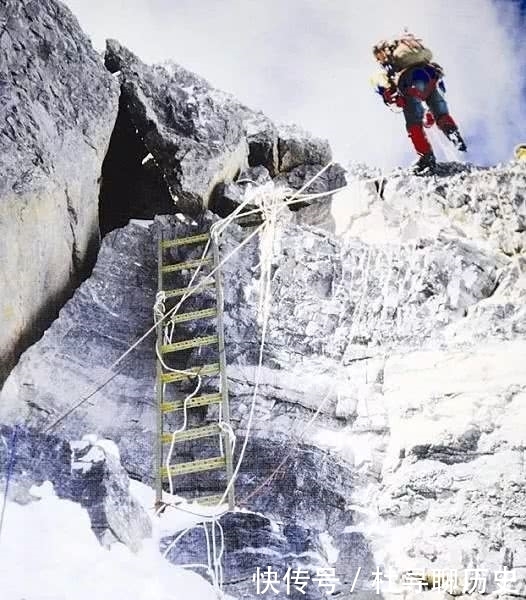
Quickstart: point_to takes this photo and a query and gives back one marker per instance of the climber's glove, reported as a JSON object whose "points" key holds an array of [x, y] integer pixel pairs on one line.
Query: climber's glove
{"points": [[393, 96]]}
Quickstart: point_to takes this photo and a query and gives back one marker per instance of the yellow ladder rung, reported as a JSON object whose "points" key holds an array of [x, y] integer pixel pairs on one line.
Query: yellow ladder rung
{"points": [[206, 340], [195, 315], [209, 500], [195, 466], [195, 433], [193, 289], [189, 264], [182, 291], [191, 239], [204, 400], [208, 370]]}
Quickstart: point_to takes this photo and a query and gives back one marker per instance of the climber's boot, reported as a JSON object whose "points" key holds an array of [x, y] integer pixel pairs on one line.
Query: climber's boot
{"points": [[426, 162], [450, 130], [425, 165]]}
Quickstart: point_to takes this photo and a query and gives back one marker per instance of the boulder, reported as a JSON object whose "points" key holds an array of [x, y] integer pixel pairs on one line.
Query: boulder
{"points": [[331, 179], [87, 472], [251, 182], [298, 147], [102, 487], [194, 132]]}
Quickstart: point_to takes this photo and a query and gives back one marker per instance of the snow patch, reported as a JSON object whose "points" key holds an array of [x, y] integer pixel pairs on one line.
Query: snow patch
{"points": [[110, 448], [329, 549], [144, 223], [52, 542]]}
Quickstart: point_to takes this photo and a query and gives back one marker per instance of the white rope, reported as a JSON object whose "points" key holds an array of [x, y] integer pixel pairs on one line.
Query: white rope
{"points": [[190, 292], [266, 276], [215, 560], [168, 332], [230, 218], [359, 309], [214, 567], [264, 326], [385, 290]]}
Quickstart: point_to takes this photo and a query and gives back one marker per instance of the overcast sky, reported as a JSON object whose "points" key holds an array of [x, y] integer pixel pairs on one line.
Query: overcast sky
{"points": [[309, 62]]}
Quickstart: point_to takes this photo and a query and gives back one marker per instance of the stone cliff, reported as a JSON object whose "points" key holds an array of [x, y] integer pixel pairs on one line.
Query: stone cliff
{"points": [[57, 109], [389, 418]]}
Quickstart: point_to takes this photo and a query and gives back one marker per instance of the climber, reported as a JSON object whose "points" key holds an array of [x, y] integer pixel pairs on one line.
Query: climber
{"points": [[409, 78]]}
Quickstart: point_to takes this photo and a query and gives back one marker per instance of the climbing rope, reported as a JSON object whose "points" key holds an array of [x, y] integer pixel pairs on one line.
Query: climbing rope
{"points": [[119, 360], [327, 396], [273, 209]]}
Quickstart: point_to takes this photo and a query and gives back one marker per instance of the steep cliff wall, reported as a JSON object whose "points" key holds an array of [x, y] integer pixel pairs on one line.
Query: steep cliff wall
{"points": [[58, 105], [410, 345]]}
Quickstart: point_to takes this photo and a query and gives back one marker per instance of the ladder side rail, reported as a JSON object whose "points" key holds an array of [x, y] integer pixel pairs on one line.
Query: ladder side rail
{"points": [[222, 367], [159, 387]]}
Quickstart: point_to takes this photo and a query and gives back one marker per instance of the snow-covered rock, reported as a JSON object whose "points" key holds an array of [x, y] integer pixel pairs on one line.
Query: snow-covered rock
{"points": [[87, 472], [53, 553], [102, 487], [463, 201], [408, 351]]}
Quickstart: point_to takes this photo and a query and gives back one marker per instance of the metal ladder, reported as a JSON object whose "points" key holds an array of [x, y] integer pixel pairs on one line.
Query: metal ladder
{"points": [[167, 380]]}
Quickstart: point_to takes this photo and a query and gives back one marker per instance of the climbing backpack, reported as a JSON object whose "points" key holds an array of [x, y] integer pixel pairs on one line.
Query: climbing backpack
{"points": [[407, 51]]}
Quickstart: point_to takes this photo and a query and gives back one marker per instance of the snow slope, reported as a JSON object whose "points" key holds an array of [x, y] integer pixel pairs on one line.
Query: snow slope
{"points": [[49, 552]]}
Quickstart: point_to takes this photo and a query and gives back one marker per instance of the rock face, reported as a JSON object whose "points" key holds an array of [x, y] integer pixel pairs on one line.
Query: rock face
{"points": [[200, 137], [409, 351], [57, 108], [94, 329], [389, 404], [88, 472]]}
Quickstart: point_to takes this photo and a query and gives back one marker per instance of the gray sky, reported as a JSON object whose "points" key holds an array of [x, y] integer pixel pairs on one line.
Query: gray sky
{"points": [[309, 62]]}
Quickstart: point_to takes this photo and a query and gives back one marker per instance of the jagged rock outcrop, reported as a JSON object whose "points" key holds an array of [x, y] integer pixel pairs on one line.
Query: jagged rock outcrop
{"points": [[57, 109], [201, 137], [87, 471], [195, 133]]}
